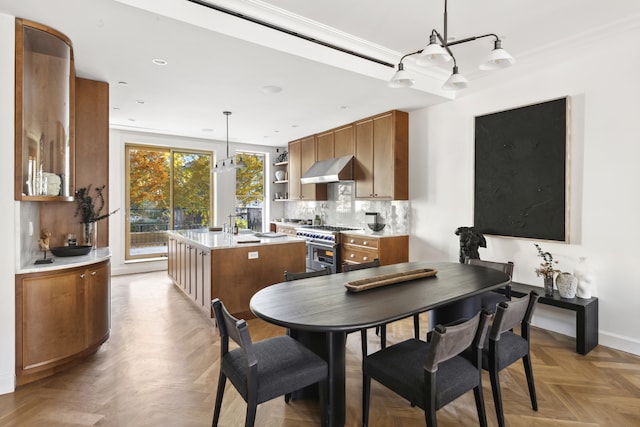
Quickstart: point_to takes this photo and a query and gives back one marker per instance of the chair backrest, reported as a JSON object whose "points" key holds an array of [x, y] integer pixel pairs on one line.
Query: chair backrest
{"points": [[510, 313], [449, 341], [352, 267], [288, 276], [236, 329], [505, 267]]}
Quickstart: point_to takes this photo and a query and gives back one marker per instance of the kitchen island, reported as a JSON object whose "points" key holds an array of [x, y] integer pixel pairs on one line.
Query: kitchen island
{"points": [[213, 264]]}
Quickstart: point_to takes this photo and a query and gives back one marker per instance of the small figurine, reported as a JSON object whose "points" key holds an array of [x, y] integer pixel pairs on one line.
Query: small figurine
{"points": [[43, 242], [470, 240]]}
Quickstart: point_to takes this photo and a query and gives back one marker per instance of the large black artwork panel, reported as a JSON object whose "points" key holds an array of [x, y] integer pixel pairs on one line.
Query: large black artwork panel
{"points": [[521, 172]]}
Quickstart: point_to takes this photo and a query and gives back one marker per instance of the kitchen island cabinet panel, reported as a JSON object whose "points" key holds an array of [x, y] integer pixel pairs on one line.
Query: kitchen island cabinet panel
{"points": [[222, 268]]}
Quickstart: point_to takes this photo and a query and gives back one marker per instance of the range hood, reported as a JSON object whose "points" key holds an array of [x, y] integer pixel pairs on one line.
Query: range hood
{"points": [[330, 170]]}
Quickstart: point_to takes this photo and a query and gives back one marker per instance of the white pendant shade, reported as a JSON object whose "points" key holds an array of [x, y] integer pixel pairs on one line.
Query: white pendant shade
{"points": [[401, 78], [498, 58], [433, 54], [456, 81]]}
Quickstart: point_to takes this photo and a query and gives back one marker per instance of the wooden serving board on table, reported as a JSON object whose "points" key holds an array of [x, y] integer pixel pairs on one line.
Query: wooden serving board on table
{"points": [[389, 279]]}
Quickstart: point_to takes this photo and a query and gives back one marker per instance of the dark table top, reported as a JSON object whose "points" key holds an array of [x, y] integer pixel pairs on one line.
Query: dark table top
{"points": [[324, 304]]}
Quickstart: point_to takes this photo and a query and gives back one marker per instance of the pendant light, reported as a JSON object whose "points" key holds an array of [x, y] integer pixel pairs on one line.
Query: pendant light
{"points": [[228, 163], [438, 52]]}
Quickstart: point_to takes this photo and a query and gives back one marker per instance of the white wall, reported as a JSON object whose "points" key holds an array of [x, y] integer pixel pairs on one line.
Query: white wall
{"points": [[224, 197], [7, 215], [605, 199]]}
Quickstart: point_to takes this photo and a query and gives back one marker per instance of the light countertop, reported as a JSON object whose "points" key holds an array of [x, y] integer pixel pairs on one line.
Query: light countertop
{"points": [[59, 263], [221, 240]]}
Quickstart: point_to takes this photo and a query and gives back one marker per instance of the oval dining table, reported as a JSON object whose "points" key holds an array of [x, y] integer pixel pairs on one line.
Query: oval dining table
{"points": [[323, 307]]}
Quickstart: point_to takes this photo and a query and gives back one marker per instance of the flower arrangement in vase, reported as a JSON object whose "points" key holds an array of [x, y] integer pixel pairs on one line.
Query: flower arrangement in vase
{"points": [[546, 269], [90, 212]]}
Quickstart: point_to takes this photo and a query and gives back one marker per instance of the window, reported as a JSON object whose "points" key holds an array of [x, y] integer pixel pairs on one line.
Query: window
{"points": [[250, 191], [167, 189]]}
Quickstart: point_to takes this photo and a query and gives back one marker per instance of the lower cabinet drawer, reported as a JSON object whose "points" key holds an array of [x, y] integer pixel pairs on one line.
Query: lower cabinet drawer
{"points": [[358, 255]]}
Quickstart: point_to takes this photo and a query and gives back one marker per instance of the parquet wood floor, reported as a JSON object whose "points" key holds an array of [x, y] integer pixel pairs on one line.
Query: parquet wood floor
{"points": [[160, 365]]}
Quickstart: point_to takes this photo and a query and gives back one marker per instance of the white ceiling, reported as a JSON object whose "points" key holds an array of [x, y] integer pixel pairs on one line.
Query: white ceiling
{"points": [[218, 62]]}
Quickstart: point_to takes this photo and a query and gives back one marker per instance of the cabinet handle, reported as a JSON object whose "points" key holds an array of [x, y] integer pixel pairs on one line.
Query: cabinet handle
{"points": [[82, 276], [352, 241], [364, 258], [352, 256], [93, 273], [365, 243]]}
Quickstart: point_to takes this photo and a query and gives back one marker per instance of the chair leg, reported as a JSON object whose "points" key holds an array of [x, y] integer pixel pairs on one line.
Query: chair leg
{"points": [[383, 336], [482, 414], [287, 397], [363, 342], [366, 391], [252, 405], [222, 380], [497, 397], [526, 360], [416, 326]]}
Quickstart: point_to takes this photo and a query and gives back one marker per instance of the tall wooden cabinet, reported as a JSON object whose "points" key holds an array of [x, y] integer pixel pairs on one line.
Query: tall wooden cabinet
{"points": [[44, 114], [382, 150]]}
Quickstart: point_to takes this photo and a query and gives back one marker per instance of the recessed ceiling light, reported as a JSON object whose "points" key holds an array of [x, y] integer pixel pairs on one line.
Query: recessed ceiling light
{"points": [[159, 61], [140, 101], [294, 126], [116, 108], [123, 83], [207, 130], [271, 89], [132, 120], [344, 107]]}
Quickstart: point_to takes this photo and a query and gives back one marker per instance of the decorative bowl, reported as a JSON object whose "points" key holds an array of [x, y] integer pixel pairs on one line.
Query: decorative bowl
{"points": [[71, 250], [376, 226]]}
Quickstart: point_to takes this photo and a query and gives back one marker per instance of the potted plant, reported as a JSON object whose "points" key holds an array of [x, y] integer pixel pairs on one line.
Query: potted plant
{"points": [[89, 212], [546, 269]]}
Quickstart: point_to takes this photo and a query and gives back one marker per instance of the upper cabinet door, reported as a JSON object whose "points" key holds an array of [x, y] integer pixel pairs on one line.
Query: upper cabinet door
{"points": [[324, 146], [45, 111]]}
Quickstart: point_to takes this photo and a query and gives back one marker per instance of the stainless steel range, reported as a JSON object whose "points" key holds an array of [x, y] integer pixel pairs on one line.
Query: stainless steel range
{"points": [[323, 246]]}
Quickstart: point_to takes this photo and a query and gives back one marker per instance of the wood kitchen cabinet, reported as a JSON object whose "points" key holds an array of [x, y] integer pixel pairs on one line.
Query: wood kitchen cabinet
{"points": [[302, 154], [344, 141], [61, 317], [382, 164], [324, 146], [359, 248], [286, 229]]}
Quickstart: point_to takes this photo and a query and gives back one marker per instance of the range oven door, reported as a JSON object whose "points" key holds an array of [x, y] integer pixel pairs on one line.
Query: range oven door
{"points": [[320, 257]]}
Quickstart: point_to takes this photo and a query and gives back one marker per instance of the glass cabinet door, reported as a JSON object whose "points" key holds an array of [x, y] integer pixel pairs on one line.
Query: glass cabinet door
{"points": [[44, 113]]}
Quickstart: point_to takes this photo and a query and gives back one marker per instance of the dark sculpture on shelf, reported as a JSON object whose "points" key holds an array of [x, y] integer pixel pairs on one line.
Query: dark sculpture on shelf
{"points": [[470, 240]]}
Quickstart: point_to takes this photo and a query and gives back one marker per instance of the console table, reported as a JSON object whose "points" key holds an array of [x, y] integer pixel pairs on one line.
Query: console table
{"points": [[586, 313]]}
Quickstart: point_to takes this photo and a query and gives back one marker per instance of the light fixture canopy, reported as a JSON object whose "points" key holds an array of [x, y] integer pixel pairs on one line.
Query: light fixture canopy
{"points": [[438, 52]]}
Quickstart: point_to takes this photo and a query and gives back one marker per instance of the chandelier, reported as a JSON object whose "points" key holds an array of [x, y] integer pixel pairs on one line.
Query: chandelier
{"points": [[227, 162], [438, 52]]}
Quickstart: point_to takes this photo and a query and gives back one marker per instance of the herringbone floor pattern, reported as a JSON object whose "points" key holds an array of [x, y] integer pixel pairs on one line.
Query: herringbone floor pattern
{"points": [[160, 365]]}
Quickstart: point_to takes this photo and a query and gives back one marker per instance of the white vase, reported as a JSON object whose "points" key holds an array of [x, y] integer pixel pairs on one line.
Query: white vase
{"points": [[567, 285], [583, 275]]}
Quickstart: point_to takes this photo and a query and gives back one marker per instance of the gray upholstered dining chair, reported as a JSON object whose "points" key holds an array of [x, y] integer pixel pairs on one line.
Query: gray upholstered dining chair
{"points": [[431, 374], [266, 369], [490, 300], [289, 276], [503, 347]]}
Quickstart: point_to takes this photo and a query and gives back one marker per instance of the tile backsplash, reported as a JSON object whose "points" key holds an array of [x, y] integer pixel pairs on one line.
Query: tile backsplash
{"points": [[342, 208]]}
